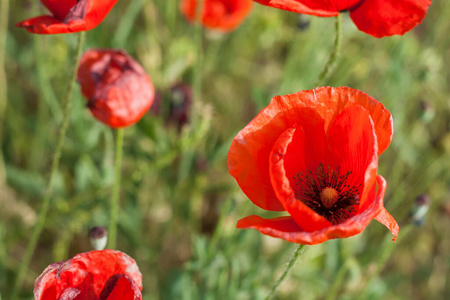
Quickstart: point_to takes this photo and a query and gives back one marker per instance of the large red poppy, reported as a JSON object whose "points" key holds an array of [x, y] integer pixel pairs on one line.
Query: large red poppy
{"points": [[103, 275], [118, 90], [69, 16], [378, 18], [223, 15], [314, 154]]}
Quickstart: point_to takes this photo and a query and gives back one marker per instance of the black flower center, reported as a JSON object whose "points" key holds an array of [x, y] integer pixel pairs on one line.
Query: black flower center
{"points": [[327, 193]]}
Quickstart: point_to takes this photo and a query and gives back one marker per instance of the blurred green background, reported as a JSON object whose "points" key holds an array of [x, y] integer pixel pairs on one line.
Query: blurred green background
{"points": [[179, 205]]}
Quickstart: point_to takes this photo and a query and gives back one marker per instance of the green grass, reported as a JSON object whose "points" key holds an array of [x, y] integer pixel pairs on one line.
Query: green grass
{"points": [[178, 204]]}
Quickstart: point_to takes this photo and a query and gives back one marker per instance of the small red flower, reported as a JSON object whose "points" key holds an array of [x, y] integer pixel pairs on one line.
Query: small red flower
{"points": [[118, 90], [69, 16], [315, 155], [378, 18], [103, 275], [223, 15]]}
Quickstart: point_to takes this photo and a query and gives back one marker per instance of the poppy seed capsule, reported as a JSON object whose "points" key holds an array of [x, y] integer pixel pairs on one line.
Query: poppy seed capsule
{"points": [[329, 196], [98, 236]]}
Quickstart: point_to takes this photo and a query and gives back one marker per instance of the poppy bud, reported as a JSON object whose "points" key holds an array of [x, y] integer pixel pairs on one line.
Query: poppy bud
{"points": [[118, 90], [303, 22], [420, 209], [427, 111], [98, 236], [180, 104]]}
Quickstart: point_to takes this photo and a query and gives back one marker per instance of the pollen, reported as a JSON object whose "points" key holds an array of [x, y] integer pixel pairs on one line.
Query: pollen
{"points": [[327, 193], [329, 197]]}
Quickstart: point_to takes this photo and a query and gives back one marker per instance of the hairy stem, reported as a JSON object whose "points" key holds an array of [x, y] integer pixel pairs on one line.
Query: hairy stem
{"points": [[114, 213], [291, 263], [328, 68], [4, 7], [54, 168]]}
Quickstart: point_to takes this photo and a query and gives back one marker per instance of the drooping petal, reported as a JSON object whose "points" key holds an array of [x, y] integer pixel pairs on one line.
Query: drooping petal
{"points": [[330, 102], [353, 148], [381, 18], [387, 220], [248, 158], [120, 287], [317, 8], [286, 228], [59, 8], [87, 272]]}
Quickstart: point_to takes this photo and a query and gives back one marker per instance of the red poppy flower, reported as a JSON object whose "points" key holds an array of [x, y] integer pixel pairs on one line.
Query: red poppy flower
{"points": [[104, 275], [314, 154], [223, 15], [118, 90], [69, 16], [378, 18]]}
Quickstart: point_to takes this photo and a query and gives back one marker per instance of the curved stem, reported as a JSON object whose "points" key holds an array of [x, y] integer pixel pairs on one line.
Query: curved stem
{"points": [[328, 68], [4, 7], [112, 235], [291, 263], [54, 168]]}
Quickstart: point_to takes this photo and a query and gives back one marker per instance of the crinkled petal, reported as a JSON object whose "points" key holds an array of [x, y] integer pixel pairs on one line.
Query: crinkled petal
{"points": [[120, 287], [381, 18], [286, 228], [87, 272], [387, 220]]}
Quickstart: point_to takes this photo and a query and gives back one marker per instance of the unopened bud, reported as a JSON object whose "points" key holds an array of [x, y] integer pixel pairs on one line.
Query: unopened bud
{"points": [[98, 236], [420, 209]]}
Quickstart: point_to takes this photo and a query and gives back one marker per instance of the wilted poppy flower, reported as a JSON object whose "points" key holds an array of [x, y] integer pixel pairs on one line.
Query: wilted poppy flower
{"points": [[69, 16], [223, 15], [118, 90], [314, 154], [105, 274], [378, 18]]}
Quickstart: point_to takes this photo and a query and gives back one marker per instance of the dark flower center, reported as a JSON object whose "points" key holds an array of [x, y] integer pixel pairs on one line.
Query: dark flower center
{"points": [[327, 193]]}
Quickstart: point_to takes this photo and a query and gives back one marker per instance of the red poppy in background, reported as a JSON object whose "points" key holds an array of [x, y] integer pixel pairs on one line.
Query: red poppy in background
{"points": [[104, 275], [378, 18], [118, 90], [315, 155], [69, 16], [223, 15]]}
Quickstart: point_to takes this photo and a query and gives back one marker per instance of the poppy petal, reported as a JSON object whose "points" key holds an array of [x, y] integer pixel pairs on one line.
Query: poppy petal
{"points": [[59, 8], [248, 157], [316, 8], [387, 220], [381, 18], [120, 287], [69, 294], [286, 228], [87, 272], [353, 148], [330, 102]]}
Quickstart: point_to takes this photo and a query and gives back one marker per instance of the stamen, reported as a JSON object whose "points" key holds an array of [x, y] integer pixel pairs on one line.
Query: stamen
{"points": [[327, 193]]}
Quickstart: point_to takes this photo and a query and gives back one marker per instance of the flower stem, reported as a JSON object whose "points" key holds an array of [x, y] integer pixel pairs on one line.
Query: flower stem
{"points": [[112, 234], [54, 168], [197, 76], [4, 7], [291, 263], [328, 68]]}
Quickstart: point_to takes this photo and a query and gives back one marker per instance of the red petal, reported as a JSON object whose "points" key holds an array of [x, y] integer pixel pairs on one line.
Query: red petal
{"points": [[317, 8], [59, 8], [69, 294], [248, 158], [387, 220], [286, 228], [87, 272], [381, 18], [223, 15], [120, 287], [118, 90], [330, 102], [353, 148]]}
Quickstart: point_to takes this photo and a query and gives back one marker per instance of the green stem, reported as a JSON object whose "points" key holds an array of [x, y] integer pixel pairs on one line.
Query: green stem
{"points": [[112, 235], [54, 168], [291, 263], [4, 7], [197, 80], [328, 68]]}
